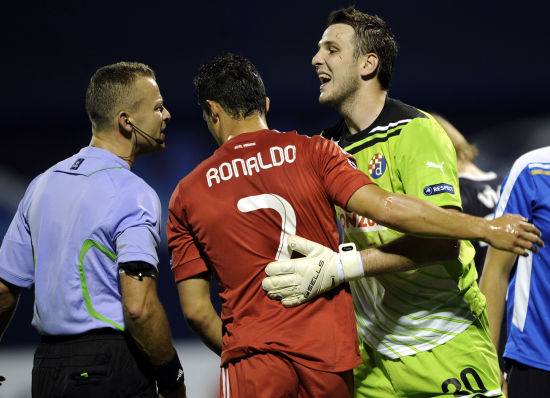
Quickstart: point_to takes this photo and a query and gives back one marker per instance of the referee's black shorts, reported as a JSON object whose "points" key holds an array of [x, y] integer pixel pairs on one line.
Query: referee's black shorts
{"points": [[102, 363]]}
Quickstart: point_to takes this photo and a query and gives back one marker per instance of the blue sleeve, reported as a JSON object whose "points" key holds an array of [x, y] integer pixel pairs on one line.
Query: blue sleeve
{"points": [[517, 193], [137, 225], [16, 252]]}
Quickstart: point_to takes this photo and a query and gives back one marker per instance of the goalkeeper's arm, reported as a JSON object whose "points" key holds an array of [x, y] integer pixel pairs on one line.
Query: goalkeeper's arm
{"points": [[421, 218], [295, 281]]}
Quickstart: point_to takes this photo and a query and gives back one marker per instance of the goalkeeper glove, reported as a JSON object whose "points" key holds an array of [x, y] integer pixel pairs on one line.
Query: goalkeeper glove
{"points": [[295, 281]]}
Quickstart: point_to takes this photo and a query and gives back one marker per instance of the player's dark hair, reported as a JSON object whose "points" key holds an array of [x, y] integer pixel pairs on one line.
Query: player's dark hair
{"points": [[232, 81], [372, 35], [111, 89]]}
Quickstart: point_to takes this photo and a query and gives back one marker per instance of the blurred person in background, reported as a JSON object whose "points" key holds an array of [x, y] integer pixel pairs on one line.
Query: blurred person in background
{"points": [[86, 236], [521, 284], [479, 190]]}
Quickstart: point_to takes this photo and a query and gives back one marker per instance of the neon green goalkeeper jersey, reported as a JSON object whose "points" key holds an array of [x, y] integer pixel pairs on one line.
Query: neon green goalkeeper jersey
{"points": [[399, 314]]}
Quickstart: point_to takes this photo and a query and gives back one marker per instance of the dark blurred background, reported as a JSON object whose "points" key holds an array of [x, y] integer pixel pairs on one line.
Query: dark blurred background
{"points": [[482, 65]]}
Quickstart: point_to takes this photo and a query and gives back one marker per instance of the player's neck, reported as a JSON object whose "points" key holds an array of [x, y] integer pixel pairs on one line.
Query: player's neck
{"points": [[239, 126], [363, 110]]}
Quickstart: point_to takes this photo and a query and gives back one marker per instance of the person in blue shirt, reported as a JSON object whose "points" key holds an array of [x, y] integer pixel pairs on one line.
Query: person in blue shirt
{"points": [[85, 236], [526, 191]]}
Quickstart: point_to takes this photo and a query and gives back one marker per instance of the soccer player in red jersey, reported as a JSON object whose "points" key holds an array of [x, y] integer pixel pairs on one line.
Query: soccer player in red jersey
{"points": [[259, 187], [232, 215]]}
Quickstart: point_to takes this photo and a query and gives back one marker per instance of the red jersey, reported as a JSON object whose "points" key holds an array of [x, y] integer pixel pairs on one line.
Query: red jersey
{"points": [[232, 214]]}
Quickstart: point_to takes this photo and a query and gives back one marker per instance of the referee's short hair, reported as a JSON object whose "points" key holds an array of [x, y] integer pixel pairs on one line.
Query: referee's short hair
{"points": [[111, 89], [372, 35]]}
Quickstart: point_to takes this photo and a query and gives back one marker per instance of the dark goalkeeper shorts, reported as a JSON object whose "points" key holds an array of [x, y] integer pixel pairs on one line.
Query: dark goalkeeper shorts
{"points": [[101, 363]]}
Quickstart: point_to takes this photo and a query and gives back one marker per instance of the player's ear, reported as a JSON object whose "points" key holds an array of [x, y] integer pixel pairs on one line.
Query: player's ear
{"points": [[215, 109], [368, 65], [267, 103]]}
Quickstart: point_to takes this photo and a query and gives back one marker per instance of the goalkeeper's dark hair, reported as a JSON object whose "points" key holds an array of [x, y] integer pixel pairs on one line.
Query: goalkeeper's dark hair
{"points": [[232, 81], [372, 35]]}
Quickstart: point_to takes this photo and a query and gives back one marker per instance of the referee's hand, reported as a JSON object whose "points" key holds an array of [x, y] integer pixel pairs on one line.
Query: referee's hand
{"points": [[513, 233]]}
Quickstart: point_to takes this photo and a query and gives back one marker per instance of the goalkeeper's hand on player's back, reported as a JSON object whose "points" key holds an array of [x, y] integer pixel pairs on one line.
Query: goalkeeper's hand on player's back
{"points": [[295, 281]]}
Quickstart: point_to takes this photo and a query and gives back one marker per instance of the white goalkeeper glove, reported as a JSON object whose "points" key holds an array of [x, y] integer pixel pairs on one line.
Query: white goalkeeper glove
{"points": [[298, 280]]}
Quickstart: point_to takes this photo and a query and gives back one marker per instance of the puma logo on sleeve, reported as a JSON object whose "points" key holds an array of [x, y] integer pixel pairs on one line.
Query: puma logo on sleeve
{"points": [[437, 166]]}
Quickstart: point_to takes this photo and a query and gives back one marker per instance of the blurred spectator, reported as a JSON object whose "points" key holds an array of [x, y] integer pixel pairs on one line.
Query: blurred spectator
{"points": [[479, 189]]}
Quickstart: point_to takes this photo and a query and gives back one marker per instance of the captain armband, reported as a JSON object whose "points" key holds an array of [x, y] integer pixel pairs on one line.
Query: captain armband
{"points": [[138, 269]]}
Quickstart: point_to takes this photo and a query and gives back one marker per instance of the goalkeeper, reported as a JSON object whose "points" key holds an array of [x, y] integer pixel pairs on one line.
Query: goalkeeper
{"points": [[423, 331]]}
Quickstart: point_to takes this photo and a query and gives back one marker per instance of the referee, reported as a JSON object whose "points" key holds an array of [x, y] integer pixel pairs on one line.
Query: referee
{"points": [[86, 235]]}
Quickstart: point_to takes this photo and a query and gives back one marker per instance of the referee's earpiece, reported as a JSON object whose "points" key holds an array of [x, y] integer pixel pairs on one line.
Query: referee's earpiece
{"points": [[143, 133]]}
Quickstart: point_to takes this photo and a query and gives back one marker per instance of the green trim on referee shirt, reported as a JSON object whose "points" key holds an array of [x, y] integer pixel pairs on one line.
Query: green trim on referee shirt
{"points": [[88, 244], [107, 168]]}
